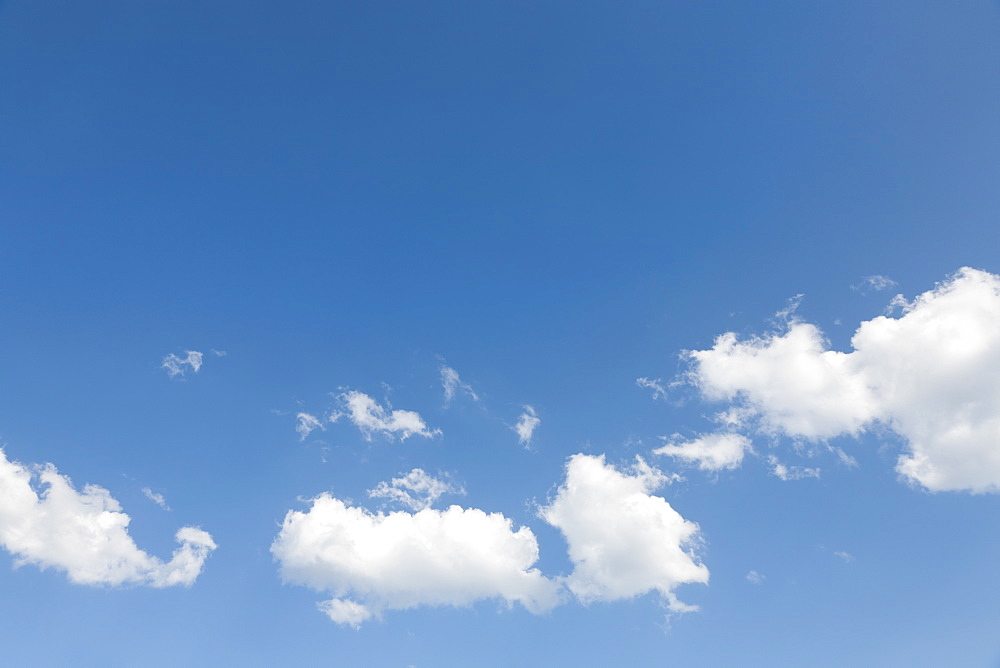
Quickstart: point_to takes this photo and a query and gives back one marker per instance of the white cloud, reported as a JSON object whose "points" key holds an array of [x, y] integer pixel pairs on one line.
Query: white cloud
{"points": [[791, 472], [874, 283], [219, 353], [371, 563], [753, 577], [623, 541], [416, 490], [305, 424], [721, 450], [175, 365], [654, 384], [526, 425], [85, 533], [155, 498], [844, 556], [368, 416], [452, 383], [928, 375]]}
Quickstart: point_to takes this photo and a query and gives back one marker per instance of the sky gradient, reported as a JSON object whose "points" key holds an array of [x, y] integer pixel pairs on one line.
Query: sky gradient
{"points": [[500, 333]]}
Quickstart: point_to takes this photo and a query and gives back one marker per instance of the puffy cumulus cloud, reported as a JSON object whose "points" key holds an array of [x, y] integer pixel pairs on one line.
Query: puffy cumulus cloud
{"points": [[85, 533], [178, 366], [305, 424], [711, 452], [623, 541], [929, 375], [371, 563], [416, 490], [526, 425], [452, 383], [368, 416]]}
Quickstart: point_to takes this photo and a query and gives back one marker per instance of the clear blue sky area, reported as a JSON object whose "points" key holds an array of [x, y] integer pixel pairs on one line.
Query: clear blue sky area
{"points": [[257, 258]]}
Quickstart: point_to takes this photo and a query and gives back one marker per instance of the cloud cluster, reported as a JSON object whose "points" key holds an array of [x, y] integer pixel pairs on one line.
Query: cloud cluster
{"points": [[175, 365], [371, 563], [85, 533], [526, 425], [623, 541], [416, 490], [928, 375], [368, 416]]}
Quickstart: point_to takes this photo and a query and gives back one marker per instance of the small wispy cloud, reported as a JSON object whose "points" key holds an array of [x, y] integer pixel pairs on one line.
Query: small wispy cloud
{"points": [[416, 490], [844, 556], [874, 283], [368, 416], [179, 366], [155, 498], [526, 425], [754, 577], [654, 384], [306, 423], [219, 353], [791, 472], [453, 384]]}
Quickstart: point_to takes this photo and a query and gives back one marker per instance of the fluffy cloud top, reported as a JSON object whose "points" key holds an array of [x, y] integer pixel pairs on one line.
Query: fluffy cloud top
{"points": [[416, 490], [452, 384], [623, 541], [85, 533], [929, 375], [711, 452], [371, 563], [526, 425], [175, 365], [368, 416]]}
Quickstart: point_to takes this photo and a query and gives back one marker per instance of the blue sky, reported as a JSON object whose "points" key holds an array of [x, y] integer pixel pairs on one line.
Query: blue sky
{"points": [[221, 222]]}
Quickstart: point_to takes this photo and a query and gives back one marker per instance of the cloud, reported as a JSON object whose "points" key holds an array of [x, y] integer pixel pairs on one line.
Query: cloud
{"points": [[711, 452], [371, 418], [790, 472], [175, 365], [526, 425], [85, 534], [653, 384], [623, 542], [753, 577], [928, 375], [451, 382], [372, 563], [305, 424], [874, 283], [844, 556], [416, 490], [155, 498]]}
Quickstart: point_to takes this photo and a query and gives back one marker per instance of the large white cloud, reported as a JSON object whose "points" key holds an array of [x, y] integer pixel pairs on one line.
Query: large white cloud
{"points": [[930, 375], [85, 533], [370, 563], [368, 416], [622, 540]]}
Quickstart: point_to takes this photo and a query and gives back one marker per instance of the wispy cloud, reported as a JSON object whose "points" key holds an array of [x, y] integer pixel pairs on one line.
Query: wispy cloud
{"points": [[178, 366], [453, 384], [710, 452], [753, 577], [371, 418], [155, 498], [654, 384], [306, 423], [416, 490], [526, 425], [875, 283], [784, 472]]}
